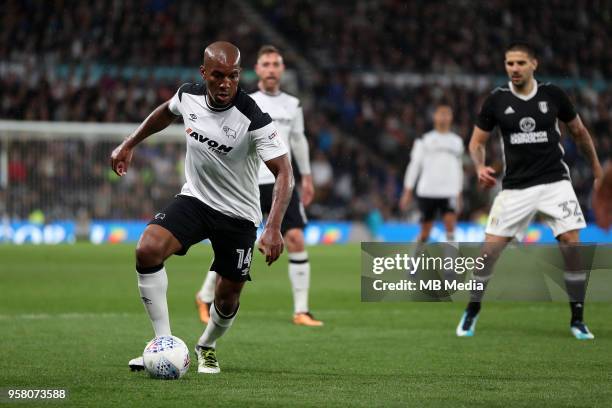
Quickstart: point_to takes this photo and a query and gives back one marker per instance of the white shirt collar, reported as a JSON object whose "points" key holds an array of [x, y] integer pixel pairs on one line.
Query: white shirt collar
{"points": [[524, 97]]}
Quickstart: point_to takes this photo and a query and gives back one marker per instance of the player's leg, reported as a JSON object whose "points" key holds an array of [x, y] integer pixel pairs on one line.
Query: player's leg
{"points": [[511, 212], [428, 208], [490, 252], [172, 231], [205, 296], [292, 229], [232, 241], [449, 218], [156, 244], [299, 276], [563, 215], [222, 315], [576, 278]]}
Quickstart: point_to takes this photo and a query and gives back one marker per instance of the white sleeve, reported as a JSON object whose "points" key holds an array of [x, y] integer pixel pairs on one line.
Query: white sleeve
{"points": [[414, 168], [175, 104], [298, 142], [268, 143]]}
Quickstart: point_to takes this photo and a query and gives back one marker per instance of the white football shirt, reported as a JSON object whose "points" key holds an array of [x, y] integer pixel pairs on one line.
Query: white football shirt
{"points": [[223, 150], [438, 159], [286, 112]]}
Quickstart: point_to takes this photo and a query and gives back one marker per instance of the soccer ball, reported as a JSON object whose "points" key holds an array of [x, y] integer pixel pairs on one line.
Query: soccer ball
{"points": [[166, 358]]}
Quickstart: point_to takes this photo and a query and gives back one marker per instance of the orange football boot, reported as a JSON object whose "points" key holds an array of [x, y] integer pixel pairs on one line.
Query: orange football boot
{"points": [[306, 319]]}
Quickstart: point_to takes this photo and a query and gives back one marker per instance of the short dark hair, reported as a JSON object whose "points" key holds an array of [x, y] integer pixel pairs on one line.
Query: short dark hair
{"points": [[268, 49], [443, 103], [522, 46]]}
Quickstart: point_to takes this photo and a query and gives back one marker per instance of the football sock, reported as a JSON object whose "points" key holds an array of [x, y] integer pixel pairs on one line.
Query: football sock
{"points": [[450, 236], [216, 327], [153, 284], [207, 292], [299, 275], [575, 284]]}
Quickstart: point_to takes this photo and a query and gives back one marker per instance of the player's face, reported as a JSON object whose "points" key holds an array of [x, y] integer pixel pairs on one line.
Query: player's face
{"points": [[269, 69], [520, 67], [221, 81], [443, 117]]}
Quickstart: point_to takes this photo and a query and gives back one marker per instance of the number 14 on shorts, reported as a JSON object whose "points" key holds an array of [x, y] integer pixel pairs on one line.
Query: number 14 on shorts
{"points": [[244, 261]]}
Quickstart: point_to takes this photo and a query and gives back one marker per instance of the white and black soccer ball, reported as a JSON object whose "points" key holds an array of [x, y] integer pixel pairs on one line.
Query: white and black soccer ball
{"points": [[166, 358]]}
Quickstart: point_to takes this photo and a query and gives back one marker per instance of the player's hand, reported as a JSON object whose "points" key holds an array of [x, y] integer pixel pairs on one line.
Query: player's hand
{"points": [[271, 244], [307, 190], [485, 176], [121, 158], [405, 200]]}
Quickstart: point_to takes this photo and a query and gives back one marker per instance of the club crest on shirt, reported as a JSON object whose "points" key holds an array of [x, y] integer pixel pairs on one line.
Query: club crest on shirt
{"points": [[527, 124], [229, 132], [543, 105]]}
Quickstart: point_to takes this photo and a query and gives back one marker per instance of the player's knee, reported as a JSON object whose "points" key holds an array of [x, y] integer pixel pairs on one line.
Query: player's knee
{"points": [[569, 237], [294, 240], [227, 305], [149, 252]]}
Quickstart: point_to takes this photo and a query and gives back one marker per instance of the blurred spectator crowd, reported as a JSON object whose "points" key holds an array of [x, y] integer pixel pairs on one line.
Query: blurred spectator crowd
{"points": [[379, 121]]}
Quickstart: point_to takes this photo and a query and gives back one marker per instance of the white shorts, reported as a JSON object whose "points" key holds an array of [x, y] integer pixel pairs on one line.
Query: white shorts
{"points": [[513, 210]]}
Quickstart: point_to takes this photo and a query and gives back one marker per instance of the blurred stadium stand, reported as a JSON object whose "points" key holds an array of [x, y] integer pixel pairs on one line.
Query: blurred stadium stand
{"points": [[369, 72]]}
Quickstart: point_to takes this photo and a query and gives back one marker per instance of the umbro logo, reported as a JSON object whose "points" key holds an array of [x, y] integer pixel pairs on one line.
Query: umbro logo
{"points": [[509, 110], [193, 117], [146, 300], [160, 216]]}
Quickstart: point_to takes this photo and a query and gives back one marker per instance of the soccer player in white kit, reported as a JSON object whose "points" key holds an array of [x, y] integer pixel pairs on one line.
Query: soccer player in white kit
{"points": [[286, 112], [436, 161], [226, 135]]}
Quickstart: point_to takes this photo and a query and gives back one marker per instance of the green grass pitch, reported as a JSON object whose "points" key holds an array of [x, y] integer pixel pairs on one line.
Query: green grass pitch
{"points": [[71, 317]]}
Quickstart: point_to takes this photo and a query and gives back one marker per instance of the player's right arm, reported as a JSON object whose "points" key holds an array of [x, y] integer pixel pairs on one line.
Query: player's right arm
{"points": [[412, 173], [485, 123], [478, 143], [158, 120]]}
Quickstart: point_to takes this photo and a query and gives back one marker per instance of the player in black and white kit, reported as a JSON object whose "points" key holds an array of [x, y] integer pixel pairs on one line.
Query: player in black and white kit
{"points": [[436, 161], [226, 135], [536, 178], [286, 111]]}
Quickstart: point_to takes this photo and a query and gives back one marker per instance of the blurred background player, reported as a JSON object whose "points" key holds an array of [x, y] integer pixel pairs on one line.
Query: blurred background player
{"points": [[536, 178], [286, 112], [602, 199], [436, 162], [218, 200]]}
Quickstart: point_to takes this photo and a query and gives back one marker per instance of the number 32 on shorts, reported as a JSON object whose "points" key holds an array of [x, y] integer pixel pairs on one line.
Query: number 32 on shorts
{"points": [[570, 208], [244, 262]]}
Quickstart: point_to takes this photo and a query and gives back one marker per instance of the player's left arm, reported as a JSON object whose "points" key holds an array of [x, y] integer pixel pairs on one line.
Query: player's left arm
{"points": [[583, 140], [271, 241], [301, 153]]}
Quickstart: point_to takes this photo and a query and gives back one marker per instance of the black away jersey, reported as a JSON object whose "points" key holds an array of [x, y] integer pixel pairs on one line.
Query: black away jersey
{"points": [[530, 133]]}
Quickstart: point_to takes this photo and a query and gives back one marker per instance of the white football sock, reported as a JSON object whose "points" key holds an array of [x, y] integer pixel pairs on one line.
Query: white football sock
{"points": [[153, 287], [216, 327], [299, 275], [207, 293]]}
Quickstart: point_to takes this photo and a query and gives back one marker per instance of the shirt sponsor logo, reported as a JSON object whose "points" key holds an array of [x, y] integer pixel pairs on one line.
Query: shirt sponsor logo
{"points": [[529, 137], [212, 145]]}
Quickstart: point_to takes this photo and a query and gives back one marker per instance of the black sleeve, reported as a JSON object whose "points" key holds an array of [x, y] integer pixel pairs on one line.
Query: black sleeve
{"points": [[486, 118], [567, 111], [249, 108]]}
